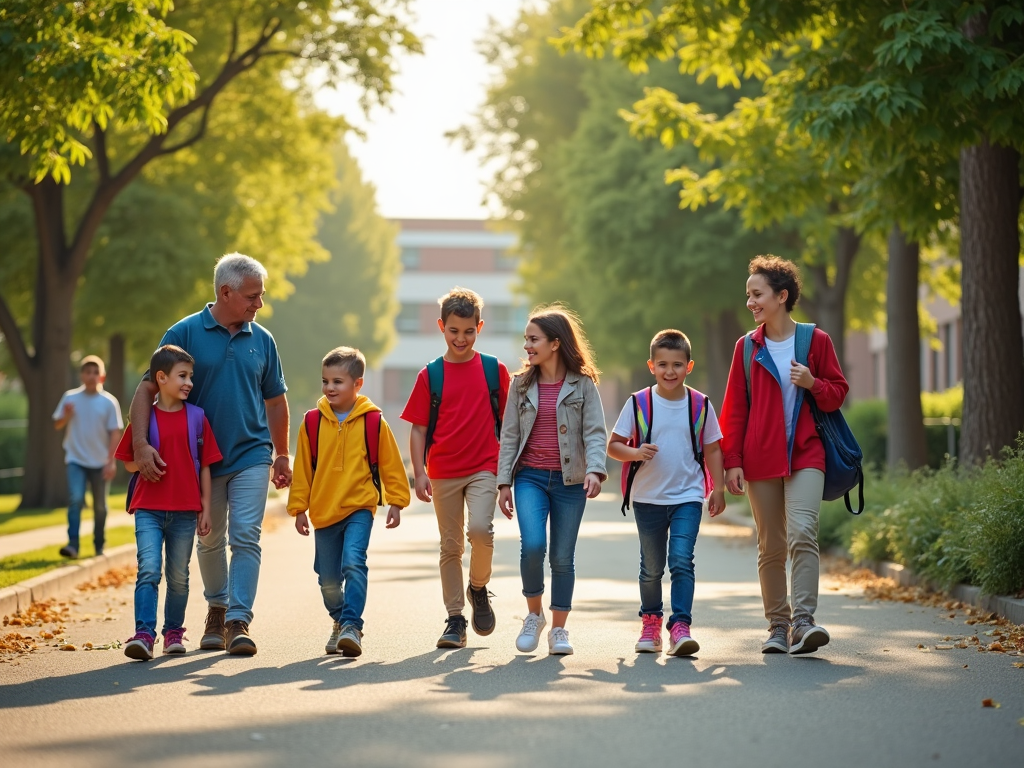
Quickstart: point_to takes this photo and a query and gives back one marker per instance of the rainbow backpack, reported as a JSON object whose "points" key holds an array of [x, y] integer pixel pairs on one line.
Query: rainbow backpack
{"points": [[643, 423]]}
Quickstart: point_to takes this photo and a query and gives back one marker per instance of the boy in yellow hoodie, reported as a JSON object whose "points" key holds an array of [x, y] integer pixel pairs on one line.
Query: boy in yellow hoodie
{"points": [[344, 494]]}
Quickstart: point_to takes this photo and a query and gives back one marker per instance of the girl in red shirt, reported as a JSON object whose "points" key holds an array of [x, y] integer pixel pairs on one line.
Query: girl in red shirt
{"points": [[774, 449]]}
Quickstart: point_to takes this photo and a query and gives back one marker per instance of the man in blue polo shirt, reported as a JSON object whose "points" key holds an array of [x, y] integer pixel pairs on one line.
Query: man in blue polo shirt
{"points": [[238, 381]]}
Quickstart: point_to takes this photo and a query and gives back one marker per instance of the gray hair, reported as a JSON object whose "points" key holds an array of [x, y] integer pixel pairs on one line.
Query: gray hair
{"points": [[234, 269]]}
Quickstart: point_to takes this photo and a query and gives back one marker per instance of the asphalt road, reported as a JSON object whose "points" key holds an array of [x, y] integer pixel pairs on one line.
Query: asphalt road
{"points": [[871, 698]]}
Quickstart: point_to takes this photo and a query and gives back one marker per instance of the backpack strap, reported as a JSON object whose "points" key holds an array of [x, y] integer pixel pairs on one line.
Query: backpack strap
{"points": [[311, 423], [371, 434], [435, 381], [195, 416], [493, 378], [802, 342], [698, 423], [643, 424], [748, 356]]}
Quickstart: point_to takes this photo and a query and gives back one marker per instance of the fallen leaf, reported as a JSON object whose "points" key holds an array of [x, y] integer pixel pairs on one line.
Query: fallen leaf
{"points": [[941, 647], [997, 647], [965, 667], [989, 704], [1019, 664]]}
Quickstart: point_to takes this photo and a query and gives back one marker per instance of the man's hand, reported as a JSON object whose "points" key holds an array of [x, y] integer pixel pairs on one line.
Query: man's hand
{"points": [[716, 504], [505, 501], [110, 469], [734, 481], [646, 452], [151, 466], [69, 410], [302, 523], [423, 490], [203, 523], [592, 485], [394, 517], [281, 474]]}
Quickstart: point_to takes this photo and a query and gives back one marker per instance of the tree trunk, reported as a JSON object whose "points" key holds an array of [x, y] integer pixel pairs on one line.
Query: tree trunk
{"points": [[993, 346], [721, 331], [907, 444], [116, 370], [827, 307]]}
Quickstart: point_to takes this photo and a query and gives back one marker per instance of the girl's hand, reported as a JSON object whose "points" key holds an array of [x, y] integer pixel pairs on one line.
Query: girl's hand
{"points": [[800, 375], [505, 501], [203, 523], [734, 481], [302, 523], [394, 517], [592, 485], [716, 504], [646, 452]]}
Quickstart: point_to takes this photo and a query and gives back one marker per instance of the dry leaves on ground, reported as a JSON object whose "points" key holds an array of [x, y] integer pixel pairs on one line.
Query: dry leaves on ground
{"points": [[115, 577]]}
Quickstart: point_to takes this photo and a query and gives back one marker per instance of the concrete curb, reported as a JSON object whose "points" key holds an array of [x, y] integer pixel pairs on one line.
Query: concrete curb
{"points": [[1009, 608], [62, 581]]}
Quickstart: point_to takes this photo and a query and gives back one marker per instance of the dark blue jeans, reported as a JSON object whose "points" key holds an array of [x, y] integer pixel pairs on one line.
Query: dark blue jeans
{"points": [[340, 565], [166, 536], [667, 531], [540, 495], [78, 478]]}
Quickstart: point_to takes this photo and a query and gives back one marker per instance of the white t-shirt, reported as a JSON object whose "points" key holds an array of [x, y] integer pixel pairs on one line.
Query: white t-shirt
{"points": [[87, 434], [783, 354], [673, 475]]}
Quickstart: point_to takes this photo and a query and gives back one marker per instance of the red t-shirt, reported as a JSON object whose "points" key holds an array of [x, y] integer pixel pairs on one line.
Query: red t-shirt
{"points": [[541, 449], [464, 441], [178, 489]]}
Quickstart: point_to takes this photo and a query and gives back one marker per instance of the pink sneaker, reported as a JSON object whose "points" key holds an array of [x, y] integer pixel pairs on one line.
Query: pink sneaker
{"points": [[650, 636], [174, 641], [682, 643], [139, 647]]}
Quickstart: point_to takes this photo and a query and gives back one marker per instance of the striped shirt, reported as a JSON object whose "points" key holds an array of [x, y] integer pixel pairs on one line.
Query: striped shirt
{"points": [[541, 451]]}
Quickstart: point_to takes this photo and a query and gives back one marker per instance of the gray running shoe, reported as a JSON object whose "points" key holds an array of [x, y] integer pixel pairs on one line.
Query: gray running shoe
{"points": [[350, 641], [807, 637], [778, 639], [332, 641]]}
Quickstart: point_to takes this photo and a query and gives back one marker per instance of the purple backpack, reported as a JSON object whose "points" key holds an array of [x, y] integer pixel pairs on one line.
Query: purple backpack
{"points": [[195, 417]]}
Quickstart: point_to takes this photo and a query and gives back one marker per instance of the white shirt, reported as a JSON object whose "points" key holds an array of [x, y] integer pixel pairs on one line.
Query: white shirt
{"points": [[87, 435], [783, 354], [673, 476]]}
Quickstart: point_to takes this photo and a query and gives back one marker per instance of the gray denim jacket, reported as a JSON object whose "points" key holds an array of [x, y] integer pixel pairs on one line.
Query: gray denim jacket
{"points": [[582, 435]]}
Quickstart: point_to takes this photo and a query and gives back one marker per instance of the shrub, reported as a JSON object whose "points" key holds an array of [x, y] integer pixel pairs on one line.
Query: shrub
{"points": [[867, 420], [13, 440]]}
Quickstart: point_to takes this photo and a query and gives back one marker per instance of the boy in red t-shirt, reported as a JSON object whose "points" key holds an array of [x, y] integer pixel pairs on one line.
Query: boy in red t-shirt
{"points": [[458, 469], [168, 512]]}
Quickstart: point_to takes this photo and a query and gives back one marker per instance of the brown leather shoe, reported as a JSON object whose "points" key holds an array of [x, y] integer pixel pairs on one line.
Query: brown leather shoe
{"points": [[238, 640], [213, 635]]}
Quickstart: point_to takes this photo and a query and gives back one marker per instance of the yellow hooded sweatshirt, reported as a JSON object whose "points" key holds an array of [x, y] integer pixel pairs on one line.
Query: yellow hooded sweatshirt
{"points": [[342, 484]]}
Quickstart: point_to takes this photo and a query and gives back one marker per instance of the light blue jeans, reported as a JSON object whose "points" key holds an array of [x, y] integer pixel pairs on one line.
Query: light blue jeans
{"points": [[667, 532], [237, 504], [540, 495], [78, 478], [340, 566], [166, 536]]}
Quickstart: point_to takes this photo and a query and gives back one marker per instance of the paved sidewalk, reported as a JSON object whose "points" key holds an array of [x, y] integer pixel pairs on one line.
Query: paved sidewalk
{"points": [[27, 541]]}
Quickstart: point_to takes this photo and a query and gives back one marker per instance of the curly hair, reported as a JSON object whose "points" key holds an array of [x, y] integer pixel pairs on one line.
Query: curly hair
{"points": [[781, 275]]}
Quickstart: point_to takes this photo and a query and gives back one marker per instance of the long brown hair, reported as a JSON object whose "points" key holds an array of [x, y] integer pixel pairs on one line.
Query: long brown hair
{"points": [[561, 324]]}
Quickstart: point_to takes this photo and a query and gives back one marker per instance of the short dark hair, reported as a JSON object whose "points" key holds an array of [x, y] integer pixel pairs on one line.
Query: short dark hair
{"points": [[781, 275], [461, 302], [349, 358], [671, 339], [166, 357]]}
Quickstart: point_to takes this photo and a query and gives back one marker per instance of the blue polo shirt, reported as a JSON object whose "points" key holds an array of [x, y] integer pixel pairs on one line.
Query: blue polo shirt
{"points": [[233, 377]]}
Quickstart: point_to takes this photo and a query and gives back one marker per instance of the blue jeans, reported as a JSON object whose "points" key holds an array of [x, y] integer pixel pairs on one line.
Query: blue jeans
{"points": [[237, 504], [340, 566], [78, 478], [540, 494], [170, 534], [667, 530]]}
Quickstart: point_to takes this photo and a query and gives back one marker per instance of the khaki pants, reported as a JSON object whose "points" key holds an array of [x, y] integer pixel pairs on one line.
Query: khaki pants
{"points": [[479, 493], [786, 513]]}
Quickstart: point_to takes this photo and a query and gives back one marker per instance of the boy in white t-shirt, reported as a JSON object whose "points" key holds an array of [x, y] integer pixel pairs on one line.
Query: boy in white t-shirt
{"points": [[657, 432]]}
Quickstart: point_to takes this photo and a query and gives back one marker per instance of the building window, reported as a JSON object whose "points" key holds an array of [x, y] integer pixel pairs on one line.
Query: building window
{"points": [[408, 320], [411, 258]]}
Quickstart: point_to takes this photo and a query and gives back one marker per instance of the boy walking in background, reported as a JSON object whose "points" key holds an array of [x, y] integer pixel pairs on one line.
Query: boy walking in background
{"points": [[455, 410], [360, 468], [93, 420]]}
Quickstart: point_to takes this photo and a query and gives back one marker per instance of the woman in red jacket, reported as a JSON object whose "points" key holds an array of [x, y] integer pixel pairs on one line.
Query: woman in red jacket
{"points": [[771, 446]]}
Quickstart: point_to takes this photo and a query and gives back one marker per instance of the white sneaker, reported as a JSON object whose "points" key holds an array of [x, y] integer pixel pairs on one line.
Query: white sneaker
{"points": [[332, 641], [558, 642], [529, 637]]}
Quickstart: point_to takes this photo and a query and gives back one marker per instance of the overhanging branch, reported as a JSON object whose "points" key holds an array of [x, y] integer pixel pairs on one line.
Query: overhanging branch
{"points": [[15, 342]]}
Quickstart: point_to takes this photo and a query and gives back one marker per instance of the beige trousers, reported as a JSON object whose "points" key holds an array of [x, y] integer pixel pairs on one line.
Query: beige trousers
{"points": [[786, 513], [479, 493]]}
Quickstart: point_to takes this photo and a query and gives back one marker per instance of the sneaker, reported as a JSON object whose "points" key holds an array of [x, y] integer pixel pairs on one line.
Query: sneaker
{"points": [[778, 639], [454, 635], [682, 643], [529, 636], [650, 635], [69, 552], [807, 637], [213, 635], [332, 641], [558, 642], [483, 615], [238, 641], [174, 641], [140, 647], [350, 641]]}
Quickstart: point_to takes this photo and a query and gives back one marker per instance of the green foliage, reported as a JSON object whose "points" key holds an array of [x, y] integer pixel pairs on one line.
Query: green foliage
{"points": [[13, 407]]}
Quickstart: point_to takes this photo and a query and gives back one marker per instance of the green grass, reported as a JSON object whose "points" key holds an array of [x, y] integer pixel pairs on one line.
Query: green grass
{"points": [[16, 568], [13, 521]]}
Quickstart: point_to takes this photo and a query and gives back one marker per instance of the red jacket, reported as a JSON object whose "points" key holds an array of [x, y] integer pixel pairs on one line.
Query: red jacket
{"points": [[754, 436]]}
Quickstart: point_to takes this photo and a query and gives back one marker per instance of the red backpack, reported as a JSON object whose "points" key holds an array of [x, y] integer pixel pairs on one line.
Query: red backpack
{"points": [[371, 434]]}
